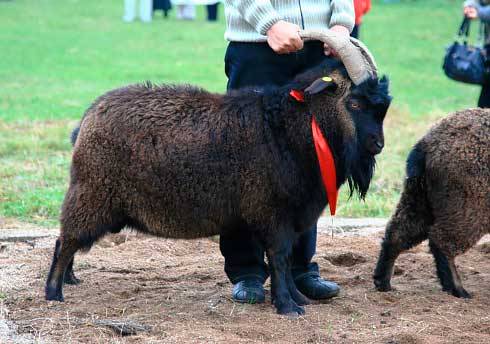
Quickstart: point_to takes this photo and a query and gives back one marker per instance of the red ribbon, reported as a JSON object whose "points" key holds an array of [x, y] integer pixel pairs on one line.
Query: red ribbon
{"points": [[324, 156], [327, 165], [298, 95]]}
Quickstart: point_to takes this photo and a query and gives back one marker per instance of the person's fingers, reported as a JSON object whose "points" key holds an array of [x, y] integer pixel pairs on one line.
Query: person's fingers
{"points": [[470, 12], [327, 50], [297, 43], [275, 45], [284, 38], [330, 52], [283, 49]]}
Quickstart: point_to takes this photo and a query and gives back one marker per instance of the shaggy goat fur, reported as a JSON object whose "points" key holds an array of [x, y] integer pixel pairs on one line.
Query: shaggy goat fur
{"points": [[446, 198], [179, 162]]}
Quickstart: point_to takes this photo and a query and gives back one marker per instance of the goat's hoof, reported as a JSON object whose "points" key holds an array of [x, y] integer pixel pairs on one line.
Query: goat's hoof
{"points": [[303, 301], [71, 279], [300, 299], [290, 309], [382, 285], [53, 295], [462, 293], [291, 315]]}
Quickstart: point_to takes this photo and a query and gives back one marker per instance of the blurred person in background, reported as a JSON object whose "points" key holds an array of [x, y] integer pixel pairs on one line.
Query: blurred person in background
{"points": [[186, 9], [481, 10], [146, 10], [265, 49], [163, 5], [361, 7], [212, 10]]}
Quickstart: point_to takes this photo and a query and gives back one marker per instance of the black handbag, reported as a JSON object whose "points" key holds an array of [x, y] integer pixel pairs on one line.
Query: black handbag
{"points": [[464, 62]]}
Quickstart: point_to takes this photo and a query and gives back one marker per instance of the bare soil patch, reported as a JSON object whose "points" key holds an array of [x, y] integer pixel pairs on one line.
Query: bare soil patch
{"points": [[176, 292]]}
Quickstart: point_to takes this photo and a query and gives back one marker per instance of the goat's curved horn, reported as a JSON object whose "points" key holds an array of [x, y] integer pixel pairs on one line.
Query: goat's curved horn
{"points": [[356, 57]]}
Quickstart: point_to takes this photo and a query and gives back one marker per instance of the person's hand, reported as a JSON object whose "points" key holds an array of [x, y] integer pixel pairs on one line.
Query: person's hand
{"points": [[283, 37], [338, 29], [470, 12]]}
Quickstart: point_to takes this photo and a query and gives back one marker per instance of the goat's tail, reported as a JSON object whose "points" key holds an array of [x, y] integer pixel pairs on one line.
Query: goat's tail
{"points": [[416, 162], [74, 134], [413, 215], [414, 198], [410, 223]]}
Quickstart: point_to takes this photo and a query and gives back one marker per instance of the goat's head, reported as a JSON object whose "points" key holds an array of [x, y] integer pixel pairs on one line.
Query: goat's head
{"points": [[354, 112], [351, 91], [351, 113]]}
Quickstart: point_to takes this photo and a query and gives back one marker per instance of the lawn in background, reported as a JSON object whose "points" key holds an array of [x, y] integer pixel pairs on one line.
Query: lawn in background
{"points": [[58, 56]]}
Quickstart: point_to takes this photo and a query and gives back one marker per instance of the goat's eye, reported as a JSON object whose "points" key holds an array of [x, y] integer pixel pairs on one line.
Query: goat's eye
{"points": [[355, 104]]}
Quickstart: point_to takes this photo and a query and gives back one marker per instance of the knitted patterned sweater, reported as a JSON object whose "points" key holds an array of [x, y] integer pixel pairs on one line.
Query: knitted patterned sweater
{"points": [[249, 20]]}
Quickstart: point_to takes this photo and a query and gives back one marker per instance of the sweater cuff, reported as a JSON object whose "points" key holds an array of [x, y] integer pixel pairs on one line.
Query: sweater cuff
{"points": [[260, 14], [343, 19]]}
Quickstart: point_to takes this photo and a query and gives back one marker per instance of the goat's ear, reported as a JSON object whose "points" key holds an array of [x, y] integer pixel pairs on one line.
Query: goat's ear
{"points": [[319, 85]]}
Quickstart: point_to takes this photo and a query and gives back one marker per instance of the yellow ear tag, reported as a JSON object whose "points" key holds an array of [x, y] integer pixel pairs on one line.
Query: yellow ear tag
{"points": [[327, 79]]}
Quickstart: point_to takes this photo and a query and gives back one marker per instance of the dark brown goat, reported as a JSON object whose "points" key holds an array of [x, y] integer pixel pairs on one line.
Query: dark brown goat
{"points": [[179, 162], [446, 198]]}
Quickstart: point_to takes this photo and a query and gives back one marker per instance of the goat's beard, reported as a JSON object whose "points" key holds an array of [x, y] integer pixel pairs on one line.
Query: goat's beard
{"points": [[359, 169]]}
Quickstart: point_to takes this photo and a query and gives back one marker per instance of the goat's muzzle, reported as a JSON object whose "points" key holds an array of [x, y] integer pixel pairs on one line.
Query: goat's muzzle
{"points": [[375, 144]]}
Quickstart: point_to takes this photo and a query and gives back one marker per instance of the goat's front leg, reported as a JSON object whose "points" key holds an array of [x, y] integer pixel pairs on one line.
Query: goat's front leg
{"points": [[279, 247]]}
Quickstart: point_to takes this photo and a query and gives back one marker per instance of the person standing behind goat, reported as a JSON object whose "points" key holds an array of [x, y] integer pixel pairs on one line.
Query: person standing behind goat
{"points": [[265, 50], [146, 10], [481, 9]]}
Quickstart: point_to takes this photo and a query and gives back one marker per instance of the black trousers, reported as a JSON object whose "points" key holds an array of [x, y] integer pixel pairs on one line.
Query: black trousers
{"points": [[256, 64], [484, 99], [212, 11], [355, 31]]}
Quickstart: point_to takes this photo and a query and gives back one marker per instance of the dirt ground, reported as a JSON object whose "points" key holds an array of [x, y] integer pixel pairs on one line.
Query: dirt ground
{"points": [[178, 293]]}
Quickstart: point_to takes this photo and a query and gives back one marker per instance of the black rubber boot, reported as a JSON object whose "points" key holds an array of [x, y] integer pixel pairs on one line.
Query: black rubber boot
{"points": [[249, 291], [316, 288]]}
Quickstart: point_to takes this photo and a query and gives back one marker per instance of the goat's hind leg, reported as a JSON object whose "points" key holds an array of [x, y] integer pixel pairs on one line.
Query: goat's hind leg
{"points": [[61, 271], [70, 241], [400, 235], [447, 272], [70, 277], [81, 226], [408, 227], [63, 255], [393, 244]]}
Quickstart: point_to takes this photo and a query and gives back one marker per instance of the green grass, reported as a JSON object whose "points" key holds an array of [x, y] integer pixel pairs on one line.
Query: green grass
{"points": [[57, 56]]}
